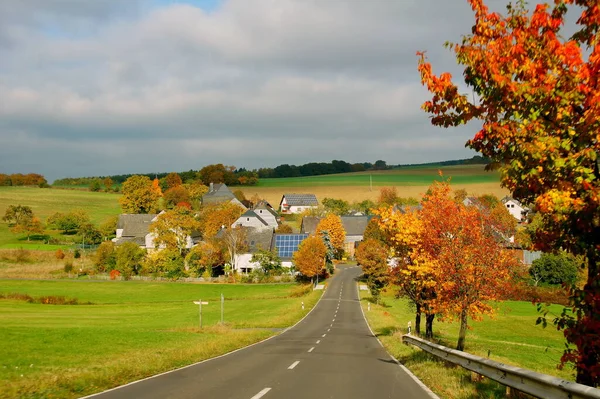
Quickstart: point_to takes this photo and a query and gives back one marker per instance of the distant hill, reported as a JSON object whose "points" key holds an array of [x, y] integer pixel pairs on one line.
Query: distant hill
{"points": [[476, 160]]}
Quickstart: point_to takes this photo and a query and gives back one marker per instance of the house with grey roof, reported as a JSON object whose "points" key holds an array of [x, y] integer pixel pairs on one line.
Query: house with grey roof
{"points": [[133, 228], [219, 193], [515, 208], [255, 239], [354, 226], [250, 219], [267, 213], [297, 203]]}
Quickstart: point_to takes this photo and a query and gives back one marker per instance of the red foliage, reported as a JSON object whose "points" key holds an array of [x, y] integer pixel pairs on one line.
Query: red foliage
{"points": [[114, 274]]}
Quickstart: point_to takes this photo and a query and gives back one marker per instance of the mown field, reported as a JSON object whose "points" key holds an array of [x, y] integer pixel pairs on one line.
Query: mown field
{"points": [[510, 337], [129, 331]]}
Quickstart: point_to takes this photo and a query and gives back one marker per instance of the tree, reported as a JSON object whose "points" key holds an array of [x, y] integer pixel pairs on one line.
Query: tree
{"points": [[460, 195], [536, 93], [374, 231], [336, 206], [173, 229], [176, 195], [17, 214], [70, 222], [372, 255], [29, 227], [558, 268], [108, 228], [310, 257], [235, 240], [333, 225], [196, 190], [364, 206], [269, 261], [388, 196], [215, 217], [218, 173], [173, 180], [95, 185], [380, 165], [284, 228], [205, 256], [129, 258], [89, 234], [105, 257], [139, 195], [108, 184]]}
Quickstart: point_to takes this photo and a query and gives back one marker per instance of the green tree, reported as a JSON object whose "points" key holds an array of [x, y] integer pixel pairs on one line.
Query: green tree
{"points": [[105, 257], [336, 206], [89, 234], [139, 195], [372, 256], [554, 269], [129, 257], [108, 228], [269, 261], [70, 222], [95, 185]]}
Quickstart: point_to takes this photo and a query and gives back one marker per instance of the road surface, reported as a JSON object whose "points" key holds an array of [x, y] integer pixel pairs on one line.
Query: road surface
{"points": [[330, 354]]}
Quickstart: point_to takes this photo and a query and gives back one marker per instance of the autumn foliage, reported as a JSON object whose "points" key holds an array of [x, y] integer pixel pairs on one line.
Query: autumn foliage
{"points": [[536, 92], [310, 257], [333, 225], [372, 256]]}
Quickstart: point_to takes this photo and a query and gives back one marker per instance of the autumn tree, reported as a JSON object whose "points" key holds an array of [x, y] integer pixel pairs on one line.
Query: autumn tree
{"points": [[235, 241], [333, 225], [374, 231], [372, 256], [196, 190], [17, 214], [338, 207], [536, 93], [215, 217], [205, 256], [128, 259], [310, 257], [284, 228], [108, 228], [173, 229], [176, 195], [387, 196], [108, 184], [140, 195], [173, 180], [89, 233], [218, 173]]}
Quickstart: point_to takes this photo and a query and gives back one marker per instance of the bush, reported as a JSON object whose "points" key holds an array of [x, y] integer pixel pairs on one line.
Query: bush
{"points": [[77, 254], [22, 255], [129, 258], [114, 274], [167, 262], [105, 258], [59, 254], [554, 269], [68, 266]]}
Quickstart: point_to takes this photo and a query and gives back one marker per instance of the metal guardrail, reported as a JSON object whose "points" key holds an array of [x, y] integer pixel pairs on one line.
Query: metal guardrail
{"points": [[527, 381]]}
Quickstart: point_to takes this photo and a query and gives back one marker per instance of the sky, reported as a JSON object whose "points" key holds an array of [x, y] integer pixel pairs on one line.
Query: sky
{"points": [[101, 87]]}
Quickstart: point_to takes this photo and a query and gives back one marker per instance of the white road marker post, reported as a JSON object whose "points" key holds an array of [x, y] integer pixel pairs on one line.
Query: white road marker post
{"points": [[222, 307], [369, 306], [409, 327], [200, 303], [302, 305]]}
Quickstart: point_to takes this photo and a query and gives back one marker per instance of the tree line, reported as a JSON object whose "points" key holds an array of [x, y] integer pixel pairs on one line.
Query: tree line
{"points": [[19, 179]]}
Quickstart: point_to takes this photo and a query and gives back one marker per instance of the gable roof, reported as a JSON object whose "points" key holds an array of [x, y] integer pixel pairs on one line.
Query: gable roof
{"points": [[508, 198], [300, 199], [135, 225], [353, 225], [263, 205], [259, 238], [251, 214], [217, 193]]}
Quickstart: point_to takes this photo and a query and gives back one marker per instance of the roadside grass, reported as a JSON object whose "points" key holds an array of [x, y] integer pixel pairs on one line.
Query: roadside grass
{"points": [[131, 331], [510, 337]]}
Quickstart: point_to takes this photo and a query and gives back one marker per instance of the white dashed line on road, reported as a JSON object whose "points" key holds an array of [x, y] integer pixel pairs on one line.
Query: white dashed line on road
{"points": [[311, 349], [261, 393], [294, 365], [329, 329], [323, 336], [318, 341]]}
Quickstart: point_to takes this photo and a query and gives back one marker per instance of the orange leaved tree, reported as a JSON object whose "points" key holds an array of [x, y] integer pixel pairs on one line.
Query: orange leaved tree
{"points": [[372, 256], [333, 225], [537, 95], [309, 259], [215, 217]]}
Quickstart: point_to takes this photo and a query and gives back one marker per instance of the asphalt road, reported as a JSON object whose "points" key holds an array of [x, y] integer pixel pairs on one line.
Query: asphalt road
{"points": [[329, 354]]}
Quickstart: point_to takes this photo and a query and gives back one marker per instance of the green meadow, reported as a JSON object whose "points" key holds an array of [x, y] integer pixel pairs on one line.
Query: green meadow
{"points": [[123, 331], [407, 176], [510, 336]]}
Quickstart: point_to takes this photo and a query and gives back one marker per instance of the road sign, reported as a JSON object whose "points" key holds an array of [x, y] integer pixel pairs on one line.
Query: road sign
{"points": [[200, 303]]}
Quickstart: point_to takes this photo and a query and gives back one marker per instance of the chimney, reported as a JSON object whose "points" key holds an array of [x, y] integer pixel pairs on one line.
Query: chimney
{"points": [[211, 188]]}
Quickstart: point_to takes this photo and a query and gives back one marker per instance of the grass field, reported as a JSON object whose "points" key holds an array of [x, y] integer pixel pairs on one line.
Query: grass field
{"points": [[510, 337], [130, 331]]}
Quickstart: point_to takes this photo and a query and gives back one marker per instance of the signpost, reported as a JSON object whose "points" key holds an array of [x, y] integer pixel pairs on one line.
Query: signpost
{"points": [[200, 303], [222, 306]]}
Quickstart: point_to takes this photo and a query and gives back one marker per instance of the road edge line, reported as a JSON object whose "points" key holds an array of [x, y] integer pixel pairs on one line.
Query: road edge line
{"points": [[431, 394], [207, 360]]}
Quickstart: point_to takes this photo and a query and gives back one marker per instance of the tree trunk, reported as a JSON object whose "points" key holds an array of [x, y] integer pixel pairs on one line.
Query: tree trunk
{"points": [[429, 325], [463, 330], [418, 320], [586, 331]]}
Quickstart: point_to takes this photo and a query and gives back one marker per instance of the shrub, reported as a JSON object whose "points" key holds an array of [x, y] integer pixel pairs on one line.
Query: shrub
{"points": [[59, 254], [68, 266], [114, 274], [554, 269], [167, 262], [129, 258], [105, 258], [22, 255], [77, 254]]}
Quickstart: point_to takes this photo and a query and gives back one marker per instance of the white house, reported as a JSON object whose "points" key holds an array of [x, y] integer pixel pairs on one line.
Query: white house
{"points": [[256, 239], [297, 203], [515, 208], [250, 219], [266, 213]]}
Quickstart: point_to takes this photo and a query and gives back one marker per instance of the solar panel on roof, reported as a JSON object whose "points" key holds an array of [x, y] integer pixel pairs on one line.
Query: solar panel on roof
{"points": [[288, 244]]}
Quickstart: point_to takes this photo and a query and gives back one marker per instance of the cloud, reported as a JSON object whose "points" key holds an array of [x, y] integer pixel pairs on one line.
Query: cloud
{"points": [[91, 88]]}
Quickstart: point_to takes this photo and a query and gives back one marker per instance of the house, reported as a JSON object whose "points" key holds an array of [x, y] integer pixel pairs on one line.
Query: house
{"points": [[133, 228], [297, 203], [136, 228], [250, 219], [515, 208], [354, 226], [255, 239], [267, 213], [219, 193]]}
